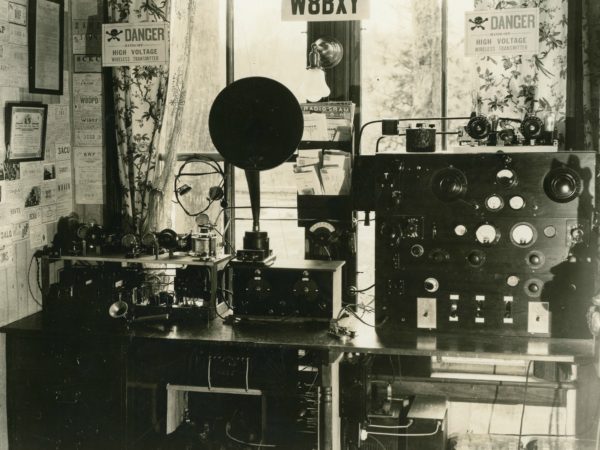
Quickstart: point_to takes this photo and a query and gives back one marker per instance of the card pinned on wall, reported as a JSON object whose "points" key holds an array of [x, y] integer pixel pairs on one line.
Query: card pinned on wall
{"points": [[49, 213], [34, 216], [38, 236], [6, 234], [62, 151], [33, 196], [21, 231], [7, 255], [48, 193]]}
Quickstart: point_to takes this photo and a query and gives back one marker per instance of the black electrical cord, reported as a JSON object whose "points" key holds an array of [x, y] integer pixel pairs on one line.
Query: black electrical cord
{"points": [[524, 400], [29, 283], [213, 164], [347, 309], [365, 289]]}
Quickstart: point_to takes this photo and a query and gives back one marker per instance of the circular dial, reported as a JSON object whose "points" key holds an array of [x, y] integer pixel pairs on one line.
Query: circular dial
{"points": [[129, 241], [149, 240], [494, 203], [83, 231], [516, 202], [523, 234], [478, 127], [487, 234], [531, 127]]}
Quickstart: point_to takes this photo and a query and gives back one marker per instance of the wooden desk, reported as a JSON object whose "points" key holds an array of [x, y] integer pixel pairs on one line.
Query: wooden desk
{"points": [[117, 338]]}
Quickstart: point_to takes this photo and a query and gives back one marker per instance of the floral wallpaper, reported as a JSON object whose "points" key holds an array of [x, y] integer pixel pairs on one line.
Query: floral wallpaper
{"points": [[139, 95], [513, 86]]}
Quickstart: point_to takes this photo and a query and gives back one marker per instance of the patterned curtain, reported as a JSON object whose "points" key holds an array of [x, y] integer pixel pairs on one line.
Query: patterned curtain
{"points": [[513, 86], [197, 75], [139, 96]]}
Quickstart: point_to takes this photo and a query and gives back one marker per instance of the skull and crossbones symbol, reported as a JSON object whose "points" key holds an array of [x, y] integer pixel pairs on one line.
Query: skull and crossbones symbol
{"points": [[478, 22], [114, 34]]}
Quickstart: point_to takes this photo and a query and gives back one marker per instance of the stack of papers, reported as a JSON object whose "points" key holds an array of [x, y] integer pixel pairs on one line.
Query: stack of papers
{"points": [[319, 172], [328, 121]]}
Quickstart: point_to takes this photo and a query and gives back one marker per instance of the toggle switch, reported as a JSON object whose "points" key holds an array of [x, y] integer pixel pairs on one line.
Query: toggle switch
{"points": [[453, 317], [479, 300], [508, 302]]}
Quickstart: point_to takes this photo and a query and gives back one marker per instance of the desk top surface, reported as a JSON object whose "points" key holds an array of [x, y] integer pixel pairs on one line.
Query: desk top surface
{"points": [[315, 336]]}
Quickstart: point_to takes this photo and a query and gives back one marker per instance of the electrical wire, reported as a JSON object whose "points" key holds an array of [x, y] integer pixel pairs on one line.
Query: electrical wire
{"points": [[524, 399], [379, 443], [208, 380], [364, 289], [213, 164], [239, 441], [408, 425], [380, 433], [247, 370], [29, 283], [346, 308]]}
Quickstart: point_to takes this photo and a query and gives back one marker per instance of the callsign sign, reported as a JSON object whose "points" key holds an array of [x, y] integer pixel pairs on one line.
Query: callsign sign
{"points": [[324, 10]]}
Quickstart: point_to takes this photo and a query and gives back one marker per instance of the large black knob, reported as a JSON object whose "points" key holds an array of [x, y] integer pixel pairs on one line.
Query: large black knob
{"points": [[562, 184], [449, 184], [439, 256]]}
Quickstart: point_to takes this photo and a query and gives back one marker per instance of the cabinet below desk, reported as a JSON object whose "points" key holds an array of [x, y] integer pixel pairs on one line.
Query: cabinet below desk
{"points": [[108, 388]]}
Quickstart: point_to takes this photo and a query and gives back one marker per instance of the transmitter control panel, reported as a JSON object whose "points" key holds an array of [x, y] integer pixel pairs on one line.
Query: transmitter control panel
{"points": [[500, 243]]}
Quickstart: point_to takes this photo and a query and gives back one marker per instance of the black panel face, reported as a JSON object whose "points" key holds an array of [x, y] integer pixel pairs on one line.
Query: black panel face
{"points": [[498, 243], [282, 293]]}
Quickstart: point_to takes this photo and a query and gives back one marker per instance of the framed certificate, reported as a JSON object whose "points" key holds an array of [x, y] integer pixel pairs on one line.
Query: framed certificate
{"points": [[25, 131], [46, 38]]}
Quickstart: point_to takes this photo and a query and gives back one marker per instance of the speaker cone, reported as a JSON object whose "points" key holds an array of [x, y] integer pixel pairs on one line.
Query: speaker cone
{"points": [[562, 185]]}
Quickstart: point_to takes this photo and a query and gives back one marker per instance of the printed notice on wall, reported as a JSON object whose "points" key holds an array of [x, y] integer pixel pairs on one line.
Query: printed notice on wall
{"points": [[88, 176], [135, 44], [38, 236], [87, 107], [324, 10], [505, 32], [7, 255]]}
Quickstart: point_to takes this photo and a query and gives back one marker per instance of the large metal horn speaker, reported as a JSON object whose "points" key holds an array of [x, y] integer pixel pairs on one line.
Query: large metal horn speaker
{"points": [[256, 124]]}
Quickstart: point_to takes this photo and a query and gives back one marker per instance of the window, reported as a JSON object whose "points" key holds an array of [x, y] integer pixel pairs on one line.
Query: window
{"points": [[401, 77], [266, 46]]}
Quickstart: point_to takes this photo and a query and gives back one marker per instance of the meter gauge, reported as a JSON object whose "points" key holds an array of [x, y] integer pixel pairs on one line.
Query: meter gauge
{"points": [[506, 178], [494, 203], [523, 234], [487, 234], [516, 202]]}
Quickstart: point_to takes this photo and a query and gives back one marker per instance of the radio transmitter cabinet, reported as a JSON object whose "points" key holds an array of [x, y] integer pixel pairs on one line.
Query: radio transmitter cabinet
{"points": [[302, 290], [497, 243]]}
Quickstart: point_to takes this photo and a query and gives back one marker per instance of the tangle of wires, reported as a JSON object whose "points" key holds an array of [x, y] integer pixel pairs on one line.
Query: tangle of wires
{"points": [[215, 193]]}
